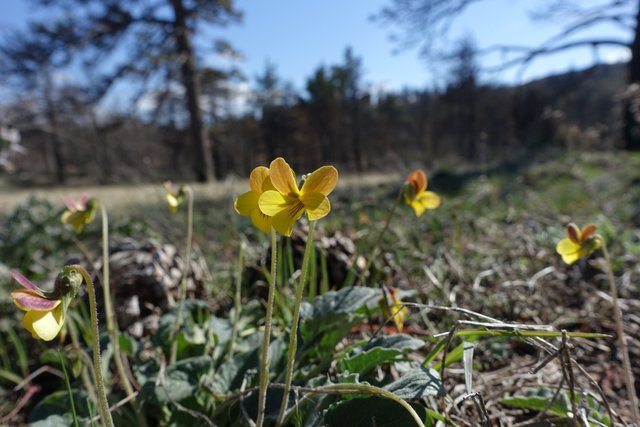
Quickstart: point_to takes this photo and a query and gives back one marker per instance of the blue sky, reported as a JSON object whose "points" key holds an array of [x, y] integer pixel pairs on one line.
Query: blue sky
{"points": [[299, 35]]}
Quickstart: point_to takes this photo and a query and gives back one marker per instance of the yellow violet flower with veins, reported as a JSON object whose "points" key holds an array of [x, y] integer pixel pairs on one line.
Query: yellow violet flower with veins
{"points": [[415, 193], [578, 243], [247, 203], [287, 203]]}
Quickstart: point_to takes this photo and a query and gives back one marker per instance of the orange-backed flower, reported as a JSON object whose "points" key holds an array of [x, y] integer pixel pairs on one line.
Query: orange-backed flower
{"points": [[79, 213], [175, 198], [247, 203], [44, 315], [415, 193], [287, 203], [393, 306], [578, 243]]}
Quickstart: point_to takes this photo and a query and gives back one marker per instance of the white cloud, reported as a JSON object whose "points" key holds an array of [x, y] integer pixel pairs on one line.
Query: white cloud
{"points": [[617, 55]]}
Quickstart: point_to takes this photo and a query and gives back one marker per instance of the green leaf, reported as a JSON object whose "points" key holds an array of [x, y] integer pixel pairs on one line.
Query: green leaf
{"points": [[329, 317], [416, 384], [128, 344], [538, 403], [232, 372], [371, 411], [379, 351], [180, 381], [54, 410]]}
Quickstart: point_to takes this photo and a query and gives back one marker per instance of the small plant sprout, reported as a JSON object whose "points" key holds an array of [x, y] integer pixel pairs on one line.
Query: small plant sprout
{"points": [[79, 212], [416, 194], [45, 314], [247, 203], [578, 243], [287, 203], [583, 242]]}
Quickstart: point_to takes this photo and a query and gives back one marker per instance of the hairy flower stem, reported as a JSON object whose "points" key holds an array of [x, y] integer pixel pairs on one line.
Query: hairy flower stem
{"points": [[376, 244], [293, 337], [264, 353], [112, 322], [185, 272], [622, 340], [102, 395]]}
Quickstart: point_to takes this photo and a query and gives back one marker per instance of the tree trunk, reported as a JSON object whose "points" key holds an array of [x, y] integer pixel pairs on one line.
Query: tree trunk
{"points": [[56, 143], [203, 161], [356, 141], [631, 122]]}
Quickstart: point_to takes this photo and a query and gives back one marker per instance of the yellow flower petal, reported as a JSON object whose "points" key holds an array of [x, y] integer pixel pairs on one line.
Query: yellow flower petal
{"points": [[172, 202], [257, 177], [44, 325], [418, 207], [272, 202], [261, 221], [428, 199], [246, 203], [283, 223], [317, 205], [573, 233], [323, 180], [569, 251], [267, 185], [587, 231], [282, 177]]}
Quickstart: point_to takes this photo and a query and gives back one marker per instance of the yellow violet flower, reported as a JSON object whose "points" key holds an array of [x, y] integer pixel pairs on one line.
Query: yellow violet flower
{"points": [[175, 198], [393, 306], [415, 193], [578, 243], [287, 203], [247, 203], [44, 315], [79, 213]]}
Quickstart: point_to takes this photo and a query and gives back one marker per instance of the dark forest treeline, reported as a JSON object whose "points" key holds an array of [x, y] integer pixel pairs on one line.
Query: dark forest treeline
{"points": [[334, 121]]}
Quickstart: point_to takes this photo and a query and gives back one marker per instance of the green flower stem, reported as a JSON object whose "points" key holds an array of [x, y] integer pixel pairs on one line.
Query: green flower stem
{"points": [[622, 340], [264, 353], [86, 381], [376, 244], [72, 404], [112, 322], [102, 395], [364, 389], [293, 337], [185, 272]]}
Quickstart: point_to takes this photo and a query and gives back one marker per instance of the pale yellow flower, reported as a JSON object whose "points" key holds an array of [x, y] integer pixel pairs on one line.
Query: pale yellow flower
{"points": [[44, 315], [578, 243], [79, 213], [415, 193]]}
